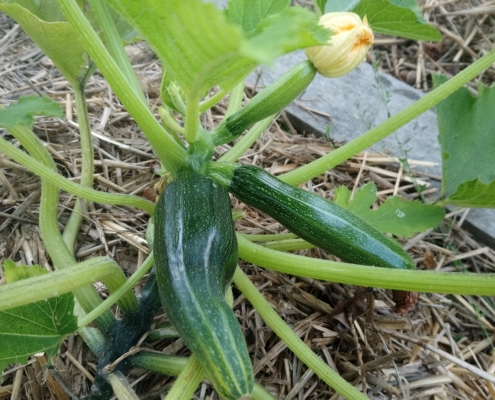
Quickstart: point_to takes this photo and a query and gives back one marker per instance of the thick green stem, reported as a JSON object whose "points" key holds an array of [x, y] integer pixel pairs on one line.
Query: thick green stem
{"points": [[121, 387], [169, 121], [388, 127], [119, 293], [87, 168], [61, 255], [115, 46], [247, 140], [187, 381], [55, 179], [292, 341], [168, 151], [403, 279], [289, 245], [62, 281], [48, 218], [172, 365]]}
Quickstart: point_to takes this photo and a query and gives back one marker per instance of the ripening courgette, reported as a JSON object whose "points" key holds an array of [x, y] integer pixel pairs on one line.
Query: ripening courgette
{"points": [[269, 101], [195, 258], [317, 220]]}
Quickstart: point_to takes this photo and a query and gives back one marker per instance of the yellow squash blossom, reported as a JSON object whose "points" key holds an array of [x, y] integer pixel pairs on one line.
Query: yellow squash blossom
{"points": [[347, 47]]}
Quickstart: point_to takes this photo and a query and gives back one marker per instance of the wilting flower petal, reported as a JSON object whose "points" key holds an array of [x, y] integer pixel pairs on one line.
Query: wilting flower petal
{"points": [[351, 40]]}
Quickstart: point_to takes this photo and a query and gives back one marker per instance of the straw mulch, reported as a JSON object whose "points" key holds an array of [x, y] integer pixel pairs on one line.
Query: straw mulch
{"points": [[436, 351]]}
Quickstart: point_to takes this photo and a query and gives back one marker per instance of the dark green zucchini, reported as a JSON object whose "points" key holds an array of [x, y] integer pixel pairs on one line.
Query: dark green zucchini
{"points": [[317, 220], [195, 257], [269, 101]]}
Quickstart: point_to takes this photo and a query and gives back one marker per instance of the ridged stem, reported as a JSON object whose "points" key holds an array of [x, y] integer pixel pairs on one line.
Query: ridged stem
{"points": [[292, 341], [61, 256], [62, 281], [169, 152], [115, 46], [338, 156], [173, 365], [247, 140], [187, 381], [59, 181], [399, 279], [87, 168]]}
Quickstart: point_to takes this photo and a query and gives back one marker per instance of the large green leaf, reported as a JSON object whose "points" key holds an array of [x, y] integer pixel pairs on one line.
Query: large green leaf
{"points": [[292, 29], [46, 10], [193, 40], [390, 19], [249, 13], [467, 139], [396, 216], [58, 40], [36, 327], [200, 48], [22, 112]]}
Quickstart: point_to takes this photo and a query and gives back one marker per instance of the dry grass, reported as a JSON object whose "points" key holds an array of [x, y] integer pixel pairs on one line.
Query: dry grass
{"points": [[437, 351]]}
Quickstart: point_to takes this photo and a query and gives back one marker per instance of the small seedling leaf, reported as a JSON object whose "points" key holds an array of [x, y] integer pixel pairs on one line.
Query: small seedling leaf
{"points": [[35, 327], [23, 112], [396, 216], [467, 138]]}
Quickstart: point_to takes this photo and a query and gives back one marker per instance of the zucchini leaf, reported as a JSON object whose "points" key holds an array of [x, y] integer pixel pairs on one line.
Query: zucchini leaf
{"points": [[396, 216], [249, 13], [23, 112], [200, 48], [391, 17], [35, 327], [57, 39], [467, 139]]}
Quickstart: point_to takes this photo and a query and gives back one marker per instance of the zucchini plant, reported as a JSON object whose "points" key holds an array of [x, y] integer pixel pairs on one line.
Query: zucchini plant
{"points": [[205, 54]]}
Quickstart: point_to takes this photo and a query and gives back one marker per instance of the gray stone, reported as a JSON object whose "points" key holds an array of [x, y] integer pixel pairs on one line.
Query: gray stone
{"points": [[354, 104]]}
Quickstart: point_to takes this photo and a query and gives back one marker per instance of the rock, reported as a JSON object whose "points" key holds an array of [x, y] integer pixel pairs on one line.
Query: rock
{"points": [[352, 104]]}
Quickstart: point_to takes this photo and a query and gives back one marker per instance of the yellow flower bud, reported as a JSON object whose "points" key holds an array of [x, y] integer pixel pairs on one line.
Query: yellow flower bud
{"points": [[346, 48]]}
